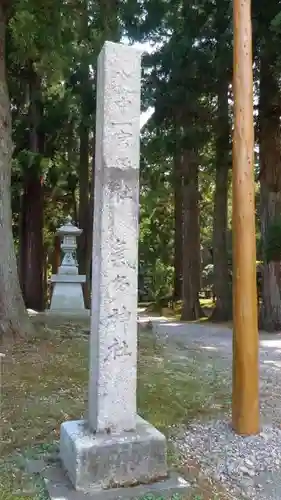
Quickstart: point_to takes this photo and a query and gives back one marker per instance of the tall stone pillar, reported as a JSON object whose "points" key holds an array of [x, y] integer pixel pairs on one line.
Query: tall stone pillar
{"points": [[115, 450]]}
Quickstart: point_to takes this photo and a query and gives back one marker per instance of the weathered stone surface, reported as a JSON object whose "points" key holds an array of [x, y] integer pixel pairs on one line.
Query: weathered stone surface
{"points": [[60, 488], [107, 460], [68, 295], [113, 358], [172, 488]]}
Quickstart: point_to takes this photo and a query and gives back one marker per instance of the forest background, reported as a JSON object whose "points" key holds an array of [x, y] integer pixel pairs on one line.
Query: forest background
{"points": [[47, 155]]}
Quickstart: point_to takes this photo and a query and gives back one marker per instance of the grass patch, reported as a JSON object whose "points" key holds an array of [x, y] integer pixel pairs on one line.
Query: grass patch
{"points": [[173, 392], [44, 382], [207, 306]]}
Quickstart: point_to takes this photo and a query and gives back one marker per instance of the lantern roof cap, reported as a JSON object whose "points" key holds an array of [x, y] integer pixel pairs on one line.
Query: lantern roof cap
{"points": [[69, 228]]}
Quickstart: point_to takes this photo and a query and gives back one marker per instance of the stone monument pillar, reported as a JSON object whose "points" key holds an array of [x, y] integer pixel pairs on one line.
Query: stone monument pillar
{"points": [[115, 453], [67, 293]]}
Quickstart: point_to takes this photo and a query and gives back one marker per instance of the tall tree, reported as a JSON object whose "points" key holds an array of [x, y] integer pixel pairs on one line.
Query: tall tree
{"points": [[32, 209], [97, 23], [178, 221], [268, 56], [222, 284], [13, 316], [221, 128], [191, 236], [270, 177], [174, 85]]}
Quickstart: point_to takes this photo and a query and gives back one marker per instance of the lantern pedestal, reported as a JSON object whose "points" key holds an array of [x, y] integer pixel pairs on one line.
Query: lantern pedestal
{"points": [[67, 293], [67, 296]]}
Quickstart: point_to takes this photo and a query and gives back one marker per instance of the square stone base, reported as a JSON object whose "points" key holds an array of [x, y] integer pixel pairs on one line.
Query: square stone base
{"points": [[60, 488], [105, 461], [67, 294]]}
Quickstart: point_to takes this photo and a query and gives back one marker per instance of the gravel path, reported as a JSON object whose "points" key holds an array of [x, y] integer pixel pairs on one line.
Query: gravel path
{"points": [[248, 467]]}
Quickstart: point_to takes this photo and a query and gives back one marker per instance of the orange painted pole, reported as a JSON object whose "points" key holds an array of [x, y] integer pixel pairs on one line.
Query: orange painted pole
{"points": [[245, 391]]}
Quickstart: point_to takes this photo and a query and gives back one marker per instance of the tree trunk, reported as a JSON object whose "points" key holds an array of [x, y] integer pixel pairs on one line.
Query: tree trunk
{"points": [[270, 313], [222, 285], [32, 220], [13, 316], [84, 247], [91, 216], [56, 257], [178, 255], [270, 177], [191, 238], [45, 275]]}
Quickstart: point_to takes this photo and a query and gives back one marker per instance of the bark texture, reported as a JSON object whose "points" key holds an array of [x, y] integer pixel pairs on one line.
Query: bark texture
{"points": [[178, 255], [191, 238], [85, 219], [84, 213], [270, 178], [14, 320], [222, 285], [32, 216]]}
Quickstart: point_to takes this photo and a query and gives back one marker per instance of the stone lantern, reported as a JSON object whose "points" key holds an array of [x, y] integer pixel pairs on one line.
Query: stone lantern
{"points": [[67, 293]]}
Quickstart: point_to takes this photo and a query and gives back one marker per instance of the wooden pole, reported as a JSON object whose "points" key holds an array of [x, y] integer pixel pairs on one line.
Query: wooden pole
{"points": [[245, 397]]}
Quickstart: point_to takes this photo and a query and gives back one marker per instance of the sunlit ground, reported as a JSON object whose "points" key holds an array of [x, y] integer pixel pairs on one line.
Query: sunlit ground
{"points": [[44, 382]]}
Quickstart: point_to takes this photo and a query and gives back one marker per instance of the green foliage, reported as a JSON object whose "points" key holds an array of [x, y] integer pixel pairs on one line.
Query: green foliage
{"points": [[156, 218], [42, 32], [60, 41], [272, 242]]}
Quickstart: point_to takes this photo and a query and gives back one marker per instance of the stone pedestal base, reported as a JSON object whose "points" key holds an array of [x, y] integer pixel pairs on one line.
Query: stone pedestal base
{"points": [[67, 293], [105, 461], [60, 488]]}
